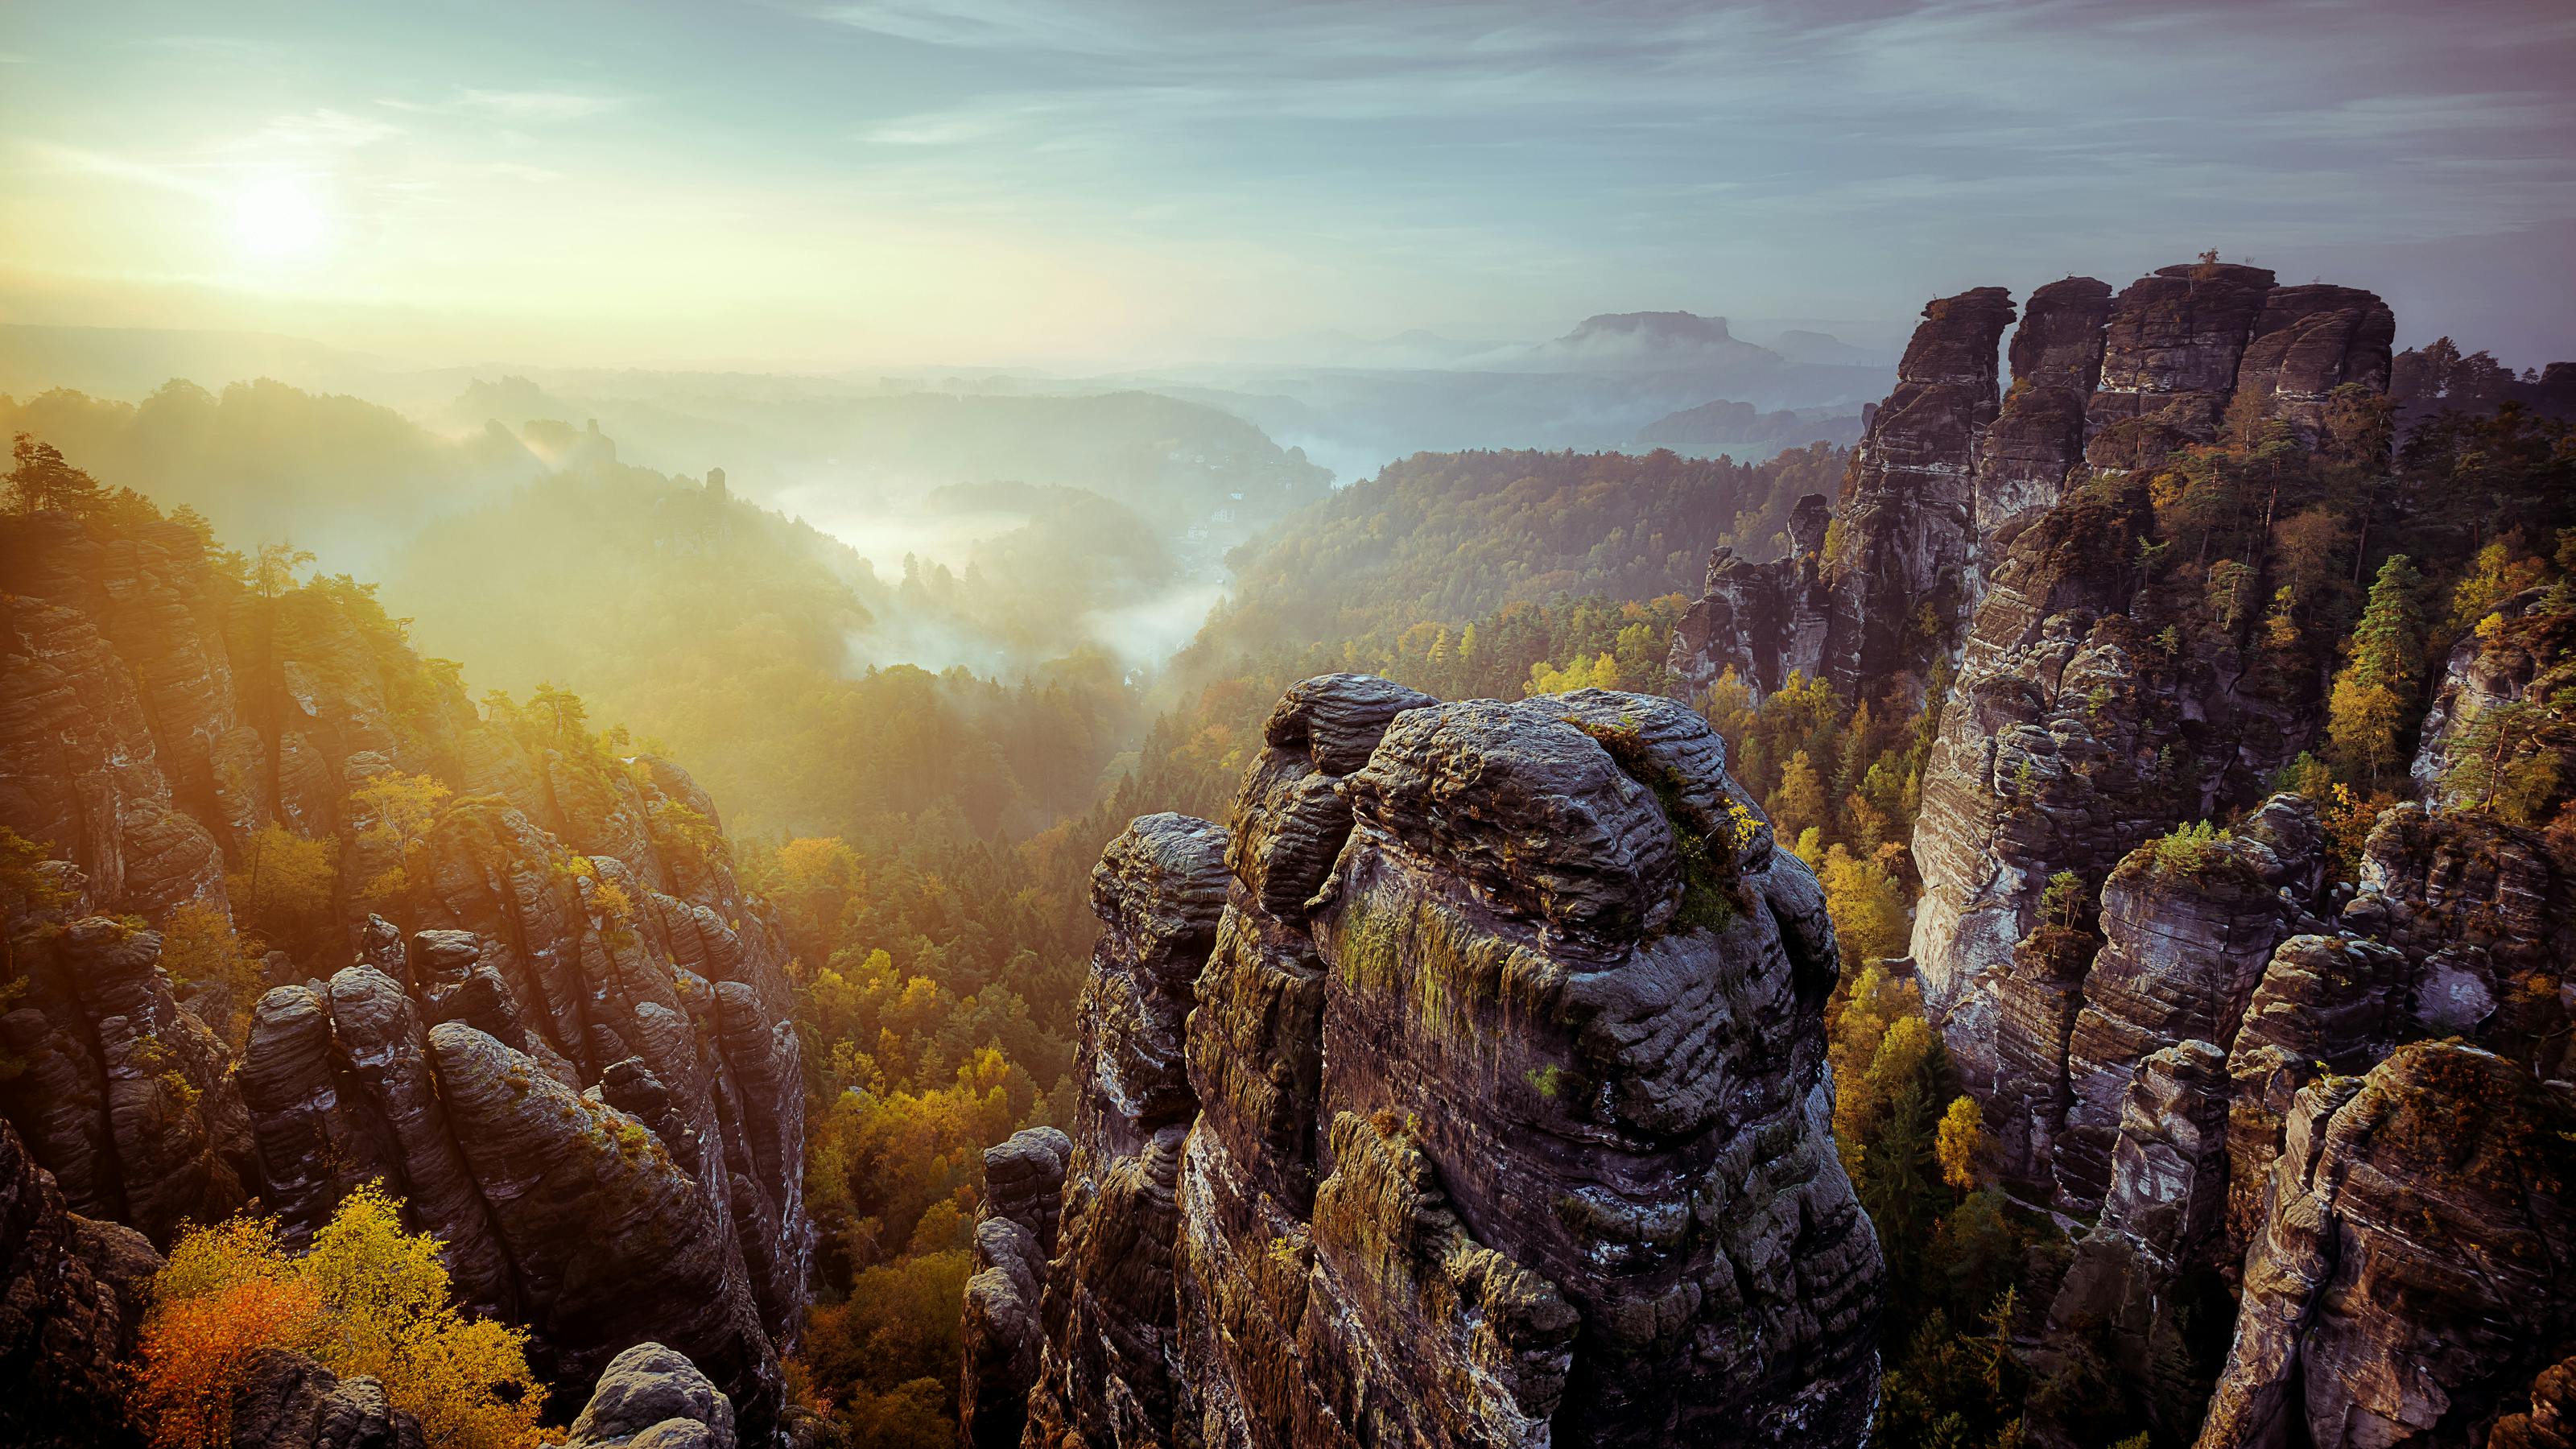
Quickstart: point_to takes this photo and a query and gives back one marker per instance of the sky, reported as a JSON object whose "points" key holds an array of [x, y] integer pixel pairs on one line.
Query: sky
{"points": [[1081, 182]]}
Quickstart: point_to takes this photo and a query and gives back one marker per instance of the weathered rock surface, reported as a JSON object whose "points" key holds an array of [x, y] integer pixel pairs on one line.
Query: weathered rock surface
{"points": [[2525, 662], [287, 1401], [2037, 439], [1762, 621], [2486, 917], [2149, 1263], [652, 1397], [126, 1095], [2406, 1286], [2307, 342], [1908, 504], [2054, 754], [70, 1302], [576, 915], [608, 1232], [2189, 929], [1015, 1233], [1111, 1369], [2550, 1420], [2169, 360], [1555, 962]]}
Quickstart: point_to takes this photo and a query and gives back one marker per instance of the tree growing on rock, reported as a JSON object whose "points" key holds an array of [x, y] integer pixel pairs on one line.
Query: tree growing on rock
{"points": [[368, 1298]]}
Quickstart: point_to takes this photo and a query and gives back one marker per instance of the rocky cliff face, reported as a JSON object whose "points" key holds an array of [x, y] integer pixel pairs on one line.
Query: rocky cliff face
{"points": [[71, 1298], [1470, 958], [1763, 621], [1908, 505], [1949, 471], [2169, 361], [564, 1042], [2037, 439], [2406, 1284], [2518, 664]]}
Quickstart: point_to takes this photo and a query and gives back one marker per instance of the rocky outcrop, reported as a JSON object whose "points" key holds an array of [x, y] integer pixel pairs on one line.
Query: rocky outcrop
{"points": [[2486, 917], [125, 1095], [565, 1044], [2189, 926], [2550, 1420], [609, 1231], [285, 1400], [1111, 1370], [2519, 662], [2326, 1006], [71, 1298], [2147, 1268], [651, 1397], [2037, 440], [2057, 753], [1908, 503], [1762, 622], [2404, 1289], [1554, 961], [1015, 1233], [2169, 361], [2307, 342]]}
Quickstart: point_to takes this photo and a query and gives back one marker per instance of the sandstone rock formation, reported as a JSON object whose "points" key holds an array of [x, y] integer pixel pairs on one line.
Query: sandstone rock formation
{"points": [[1471, 957], [2169, 361], [1909, 503], [2406, 1286], [2189, 927], [650, 1397], [2525, 661], [565, 1041], [2037, 440], [2307, 342], [70, 1302], [1762, 621], [287, 1401], [125, 1095], [1111, 1371], [1014, 1235]]}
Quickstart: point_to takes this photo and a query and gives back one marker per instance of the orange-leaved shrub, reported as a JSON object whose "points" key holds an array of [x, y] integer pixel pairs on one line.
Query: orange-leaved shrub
{"points": [[366, 1298]]}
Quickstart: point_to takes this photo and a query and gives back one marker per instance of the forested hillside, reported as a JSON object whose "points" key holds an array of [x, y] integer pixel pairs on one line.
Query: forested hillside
{"points": [[1442, 538]]}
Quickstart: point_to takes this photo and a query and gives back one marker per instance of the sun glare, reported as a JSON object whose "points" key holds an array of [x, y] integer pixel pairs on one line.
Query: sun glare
{"points": [[277, 218]]}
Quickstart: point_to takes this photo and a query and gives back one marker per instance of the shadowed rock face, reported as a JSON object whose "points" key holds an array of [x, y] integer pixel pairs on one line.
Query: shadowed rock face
{"points": [[1908, 503], [2307, 342], [125, 1093], [1948, 471], [287, 1401], [2037, 439], [71, 1298], [2405, 1287], [1110, 1314], [1511, 1117], [607, 1230], [2524, 660]]}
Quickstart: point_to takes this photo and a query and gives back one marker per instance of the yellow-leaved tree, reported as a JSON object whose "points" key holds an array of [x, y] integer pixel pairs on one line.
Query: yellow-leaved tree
{"points": [[367, 1298]]}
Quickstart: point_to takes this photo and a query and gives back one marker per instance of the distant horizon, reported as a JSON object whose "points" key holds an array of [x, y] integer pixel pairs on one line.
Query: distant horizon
{"points": [[1039, 183]]}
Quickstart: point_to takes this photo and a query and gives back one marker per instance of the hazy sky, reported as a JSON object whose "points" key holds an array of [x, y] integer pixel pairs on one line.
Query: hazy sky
{"points": [[1028, 180]]}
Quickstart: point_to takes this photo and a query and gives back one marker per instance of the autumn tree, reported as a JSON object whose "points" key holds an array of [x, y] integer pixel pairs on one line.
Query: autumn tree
{"points": [[1866, 904], [282, 893], [395, 809], [367, 1298], [200, 946]]}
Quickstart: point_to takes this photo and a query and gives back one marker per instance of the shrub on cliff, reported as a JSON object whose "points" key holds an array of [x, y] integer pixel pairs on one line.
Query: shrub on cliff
{"points": [[368, 1298]]}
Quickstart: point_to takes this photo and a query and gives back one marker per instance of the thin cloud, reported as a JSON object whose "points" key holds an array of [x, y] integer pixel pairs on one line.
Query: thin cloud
{"points": [[538, 105]]}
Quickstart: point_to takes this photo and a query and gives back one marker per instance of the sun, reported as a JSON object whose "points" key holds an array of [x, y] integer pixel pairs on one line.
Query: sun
{"points": [[278, 219]]}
